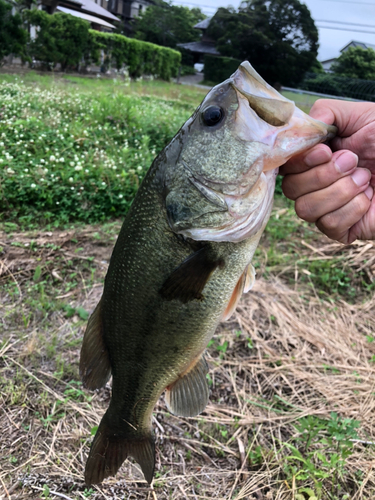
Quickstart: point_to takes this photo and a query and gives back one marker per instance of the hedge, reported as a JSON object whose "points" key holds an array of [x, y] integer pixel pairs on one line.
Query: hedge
{"points": [[61, 38], [340, 86], [69, 41], [141, 58], [218, 69], [13, 37]]}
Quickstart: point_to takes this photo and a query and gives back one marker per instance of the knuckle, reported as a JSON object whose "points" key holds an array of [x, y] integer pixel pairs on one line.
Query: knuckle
{"points": [[320, 177], [304, 209], [360, 205], [288, 187], [329, 224]]}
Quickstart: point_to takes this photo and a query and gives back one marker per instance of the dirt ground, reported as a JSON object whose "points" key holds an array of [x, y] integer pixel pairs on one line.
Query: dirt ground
{"points": [[285, 354]]}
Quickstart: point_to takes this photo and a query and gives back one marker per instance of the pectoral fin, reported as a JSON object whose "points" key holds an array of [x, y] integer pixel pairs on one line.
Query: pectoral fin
{"points": [[187, 282], [188, 396], [244, 284], [94, 365]]}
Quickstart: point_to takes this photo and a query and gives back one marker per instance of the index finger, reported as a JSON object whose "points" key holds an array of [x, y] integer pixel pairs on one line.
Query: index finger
{"points": [[315, 156]]}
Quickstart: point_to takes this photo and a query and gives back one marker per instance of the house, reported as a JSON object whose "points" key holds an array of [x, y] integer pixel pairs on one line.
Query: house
{"points": [[126, 10], [99, 18], [328, 62], [205, 45], [100, 13]]}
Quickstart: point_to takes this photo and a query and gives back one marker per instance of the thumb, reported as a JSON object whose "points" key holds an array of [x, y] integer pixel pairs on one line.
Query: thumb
{"points": [[324, 110]]}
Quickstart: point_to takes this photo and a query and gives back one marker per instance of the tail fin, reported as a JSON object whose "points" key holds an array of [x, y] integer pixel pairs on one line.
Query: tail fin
{"points": [[110, 448]]}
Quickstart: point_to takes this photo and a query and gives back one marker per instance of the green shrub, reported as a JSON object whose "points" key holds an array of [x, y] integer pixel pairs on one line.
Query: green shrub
{"points": [[218, 69], [13, 38], [140, 57], [61, 38], [339, 86]]}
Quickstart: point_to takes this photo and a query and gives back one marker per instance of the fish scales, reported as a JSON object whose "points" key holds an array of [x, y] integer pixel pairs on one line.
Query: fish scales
{"points": [[183, 259]]}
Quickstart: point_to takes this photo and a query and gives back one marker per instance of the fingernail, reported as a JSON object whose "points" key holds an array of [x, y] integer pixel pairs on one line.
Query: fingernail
{"points": [[369, 192], [346, 162], [361, 176], [317, 157]]}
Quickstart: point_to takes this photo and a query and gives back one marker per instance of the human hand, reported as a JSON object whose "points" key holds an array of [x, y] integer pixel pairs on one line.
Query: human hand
{"points": [[335, 189]]}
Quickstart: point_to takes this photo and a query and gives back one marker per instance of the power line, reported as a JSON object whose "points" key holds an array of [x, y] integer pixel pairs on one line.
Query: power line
{"points": [[345, 29], [349, 1], [215, 8], [342, 22]]}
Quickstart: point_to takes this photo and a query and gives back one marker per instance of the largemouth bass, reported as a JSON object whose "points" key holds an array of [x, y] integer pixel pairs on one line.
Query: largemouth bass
{"points": [[183, 259]]}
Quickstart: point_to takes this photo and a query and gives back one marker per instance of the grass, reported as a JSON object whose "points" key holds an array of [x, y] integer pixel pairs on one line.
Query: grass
{"points": [[73, 153], [291, 412]]}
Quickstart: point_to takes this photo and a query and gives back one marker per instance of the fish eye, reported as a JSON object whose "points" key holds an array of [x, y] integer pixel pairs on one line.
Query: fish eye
{"points": [[212, 115]]}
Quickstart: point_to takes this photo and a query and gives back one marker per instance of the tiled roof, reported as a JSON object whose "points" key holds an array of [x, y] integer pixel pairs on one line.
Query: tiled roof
{"points": [[93, 8], [203, 25]]}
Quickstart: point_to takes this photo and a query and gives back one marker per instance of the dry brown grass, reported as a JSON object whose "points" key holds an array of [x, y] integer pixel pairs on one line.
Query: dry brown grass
{"points": [[307, 357]]}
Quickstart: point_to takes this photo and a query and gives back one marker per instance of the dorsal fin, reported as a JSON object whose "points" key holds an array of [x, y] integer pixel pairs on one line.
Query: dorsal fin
{"points": [[94, 365]]}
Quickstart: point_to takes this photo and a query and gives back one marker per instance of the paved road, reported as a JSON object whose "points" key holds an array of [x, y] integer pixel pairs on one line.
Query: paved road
{"points": [[193, 80]]}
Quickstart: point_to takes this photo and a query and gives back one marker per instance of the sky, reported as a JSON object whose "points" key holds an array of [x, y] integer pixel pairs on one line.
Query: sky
{"points": [[336, 12]]}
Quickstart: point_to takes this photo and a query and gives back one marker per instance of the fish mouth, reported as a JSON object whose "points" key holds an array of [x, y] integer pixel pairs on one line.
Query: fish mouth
{"points": [[275, 121]]}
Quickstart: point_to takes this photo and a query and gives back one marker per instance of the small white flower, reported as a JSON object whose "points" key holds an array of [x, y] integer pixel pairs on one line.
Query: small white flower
{"points": [[33, 185], [71, 163], [42, 161], [70, 179], [57, 203], [52, 158], [61, 160], [86, 171], [78, 168], [46, 170], [10, 171], [26, 170], [103, 183], [139, 168], [72, 188], [120, 195]]}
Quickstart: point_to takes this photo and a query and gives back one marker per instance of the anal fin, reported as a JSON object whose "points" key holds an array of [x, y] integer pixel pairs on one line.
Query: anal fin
{"points": [[94, 365], [188, 280], [244, 284], [188, 396]]}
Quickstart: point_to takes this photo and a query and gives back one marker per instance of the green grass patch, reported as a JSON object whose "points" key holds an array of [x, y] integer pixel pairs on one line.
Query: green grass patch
{"points": [[79, 154]]}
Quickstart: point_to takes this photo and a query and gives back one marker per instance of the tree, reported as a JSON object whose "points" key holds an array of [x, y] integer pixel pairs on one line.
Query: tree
{"points": [[278, 37], [61, 38], [13, 37], [167, 25], [356, 63]]}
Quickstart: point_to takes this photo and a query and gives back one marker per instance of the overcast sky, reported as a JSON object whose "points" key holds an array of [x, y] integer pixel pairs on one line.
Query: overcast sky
{"points": [[360, 12]]}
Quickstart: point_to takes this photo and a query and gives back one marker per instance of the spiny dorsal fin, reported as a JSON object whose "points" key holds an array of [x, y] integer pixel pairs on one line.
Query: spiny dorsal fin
{"points": [[110, 448], [188, 396], [187, 282], [244, 284], [94, 365]]}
